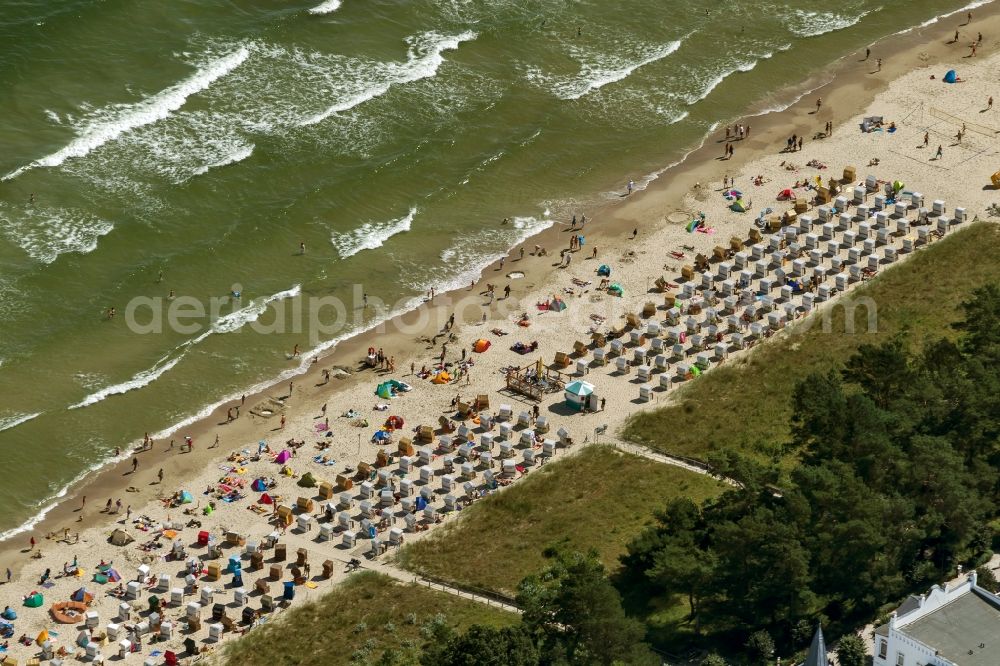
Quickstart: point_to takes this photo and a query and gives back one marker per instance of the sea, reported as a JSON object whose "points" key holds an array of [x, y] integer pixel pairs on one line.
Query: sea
{"points": [[170, 158]]}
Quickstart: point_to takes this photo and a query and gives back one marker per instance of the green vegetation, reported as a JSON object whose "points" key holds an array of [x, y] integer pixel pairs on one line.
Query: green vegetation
{"points": [[746, 404], [368, 618], [897, 484], [599, 498]]}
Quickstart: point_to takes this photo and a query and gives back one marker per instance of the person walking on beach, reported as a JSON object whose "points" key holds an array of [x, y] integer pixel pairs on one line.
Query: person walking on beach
{"points": [[159, 475], [868, 53], [989, 102], [631, 186], [135, 464], [800, 142], [282, 426], [939, 154], [9, 574], [878, 64], [31, 542], [819, 103]]}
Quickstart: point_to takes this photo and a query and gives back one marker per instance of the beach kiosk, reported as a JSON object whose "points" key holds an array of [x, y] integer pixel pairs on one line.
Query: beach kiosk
{"points": [[578, 393]]}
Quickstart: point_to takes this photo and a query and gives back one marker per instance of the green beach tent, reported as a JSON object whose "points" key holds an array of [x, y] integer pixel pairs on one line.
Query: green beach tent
{"points": [[34, 600]]}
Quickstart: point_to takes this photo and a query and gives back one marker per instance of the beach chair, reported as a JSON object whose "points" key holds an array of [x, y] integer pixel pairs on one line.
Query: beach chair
{"points": [[482, 402], [305, 504], [755, 236], [562, 359], [701, 262], [463, 409], [344, 483], [425, 434], [661, 284], [599, 357], [405, 447], [687, 272], [632, 321], [719, 253], [622, 365], [850, 175], [325, 490], [648, 310], [580, 348], [598, 340]]}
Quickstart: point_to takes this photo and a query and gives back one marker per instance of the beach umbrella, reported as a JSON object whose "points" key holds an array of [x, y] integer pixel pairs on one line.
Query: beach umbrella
{"points": [[481, 345], [265, 499], [258, 485], [384, 390]]}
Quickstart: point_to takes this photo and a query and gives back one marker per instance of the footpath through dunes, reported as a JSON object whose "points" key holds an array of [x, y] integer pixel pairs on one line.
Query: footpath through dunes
{"points": [[599, 498], [360, 619]]}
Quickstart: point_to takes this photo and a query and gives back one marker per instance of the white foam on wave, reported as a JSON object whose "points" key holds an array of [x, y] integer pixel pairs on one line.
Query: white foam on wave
{"points": [[740, 67], [238, 154], [424, 58], [227, 323], [806, 23], [467, 251], [16, 420], [234, 321], [371, 235], [112, 122], [52, 501], [935, 19], [327, 7], [44, 233], [138, 380], [594, 76]]}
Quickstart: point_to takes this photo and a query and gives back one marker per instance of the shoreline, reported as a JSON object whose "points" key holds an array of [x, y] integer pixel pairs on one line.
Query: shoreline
{"points": [[844, 94]]}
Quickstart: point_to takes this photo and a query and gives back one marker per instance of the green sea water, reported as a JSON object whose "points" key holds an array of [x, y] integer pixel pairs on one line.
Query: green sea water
{"points": [[205, 140]]}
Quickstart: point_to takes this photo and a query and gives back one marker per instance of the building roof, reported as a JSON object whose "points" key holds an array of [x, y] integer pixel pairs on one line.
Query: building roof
{"points": [[817, 650], [958, 629]]}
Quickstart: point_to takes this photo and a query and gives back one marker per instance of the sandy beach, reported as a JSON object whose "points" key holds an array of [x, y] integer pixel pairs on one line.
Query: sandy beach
{"points": [[902, 92]]}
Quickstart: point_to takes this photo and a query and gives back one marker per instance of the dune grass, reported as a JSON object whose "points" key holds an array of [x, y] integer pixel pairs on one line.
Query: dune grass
{"points": [[357, 622], [600, 498], [745, 404]]}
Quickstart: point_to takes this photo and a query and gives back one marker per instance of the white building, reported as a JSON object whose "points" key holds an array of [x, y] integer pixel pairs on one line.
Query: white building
{"points": [[957, 626]]}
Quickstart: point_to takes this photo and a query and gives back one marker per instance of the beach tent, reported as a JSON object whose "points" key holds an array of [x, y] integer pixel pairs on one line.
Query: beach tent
{"points": [[950, 77], [265, 499], [120, 538], [283, 457], [785, 195], [258, 485], [604, 270], [42, 637], [616, 289], [577, 393], [739, 206], [481, 345], [113, 575], [9, 614], [381, 436], [186, 497], [289, 593], [384, 390], [441, 378], [394, 422], [81, 595], [34, 600], [557, 304]]}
